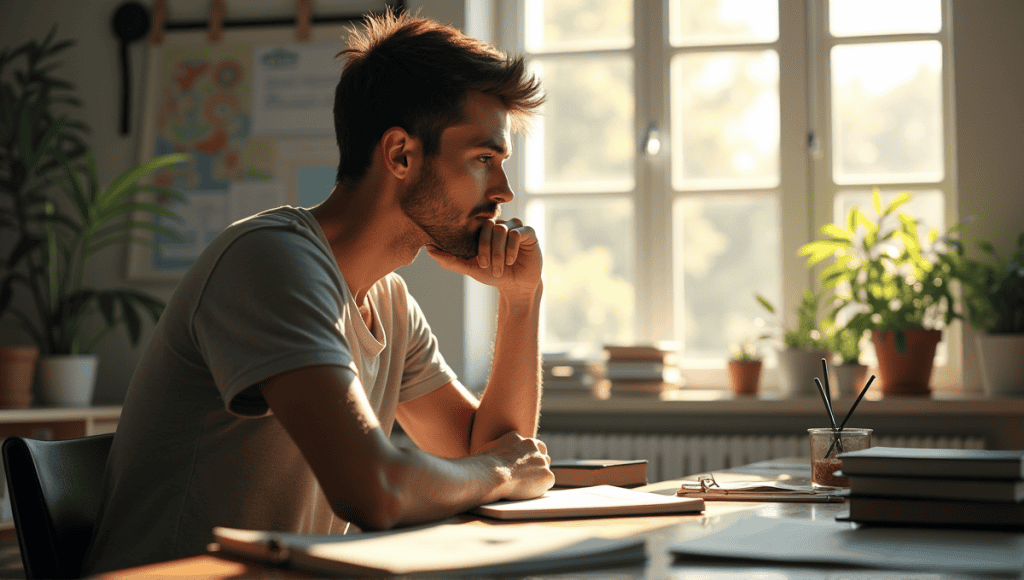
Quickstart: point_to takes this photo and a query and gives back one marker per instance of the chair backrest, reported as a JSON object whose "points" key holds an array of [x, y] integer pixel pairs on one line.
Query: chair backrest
{"points": [[55, 497]]}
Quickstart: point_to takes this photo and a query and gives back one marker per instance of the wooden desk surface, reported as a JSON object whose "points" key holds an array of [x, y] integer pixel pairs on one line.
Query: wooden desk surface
{"points": [[660, 530]]}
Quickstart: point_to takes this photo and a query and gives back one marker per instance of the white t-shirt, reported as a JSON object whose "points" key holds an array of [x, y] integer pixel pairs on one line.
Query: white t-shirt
{"points": [[196, 446]]}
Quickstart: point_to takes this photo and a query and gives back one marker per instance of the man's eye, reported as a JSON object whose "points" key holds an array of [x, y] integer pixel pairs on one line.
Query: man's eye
{"points": [[484, 159]]}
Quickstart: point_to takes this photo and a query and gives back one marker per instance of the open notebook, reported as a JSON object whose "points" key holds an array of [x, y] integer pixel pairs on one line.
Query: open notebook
{"points": [[447, 548]]}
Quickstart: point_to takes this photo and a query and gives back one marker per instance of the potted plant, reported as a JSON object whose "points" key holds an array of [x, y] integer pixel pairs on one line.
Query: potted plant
{"points": [[850, 373], [994, 304], [59, 217], [889, 283], [803, 348], [745, 369]]}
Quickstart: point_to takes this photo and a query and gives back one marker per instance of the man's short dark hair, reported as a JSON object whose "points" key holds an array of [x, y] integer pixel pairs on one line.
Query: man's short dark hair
{"points": [[414, 73]]}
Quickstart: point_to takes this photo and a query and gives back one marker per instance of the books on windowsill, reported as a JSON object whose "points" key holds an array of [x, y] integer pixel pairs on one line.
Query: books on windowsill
{"points": [[649, 369], [587, 472], [936, 487]]}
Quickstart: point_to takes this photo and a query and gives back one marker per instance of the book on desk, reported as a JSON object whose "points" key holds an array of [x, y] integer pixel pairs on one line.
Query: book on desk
{"points": [[936, 487], [587, 472]]}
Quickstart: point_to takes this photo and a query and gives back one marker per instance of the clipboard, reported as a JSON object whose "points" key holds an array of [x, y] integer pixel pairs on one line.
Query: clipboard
{"points": [[706, 488]]}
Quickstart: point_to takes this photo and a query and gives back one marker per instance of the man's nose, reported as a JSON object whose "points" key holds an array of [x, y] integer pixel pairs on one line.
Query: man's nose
{"points": [[501, 191]]}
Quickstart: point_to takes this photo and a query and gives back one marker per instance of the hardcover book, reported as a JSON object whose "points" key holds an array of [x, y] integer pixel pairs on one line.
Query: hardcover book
{"points": [[993, 490], [918, 462], [937, 512], [586, 472]]}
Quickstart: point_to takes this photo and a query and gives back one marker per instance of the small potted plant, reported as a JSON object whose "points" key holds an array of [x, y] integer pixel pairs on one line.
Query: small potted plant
{"points": [[994, 304], [745, 369], [888, 282], [58, 216], [803, 347]]}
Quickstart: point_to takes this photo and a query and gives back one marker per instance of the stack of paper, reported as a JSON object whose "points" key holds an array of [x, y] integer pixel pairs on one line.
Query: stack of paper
{"points": [[942, 487]]}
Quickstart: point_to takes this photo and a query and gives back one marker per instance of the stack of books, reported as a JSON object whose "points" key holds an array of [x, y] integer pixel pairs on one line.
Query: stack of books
{"points": [[967, 488], [642, 369], [565, 374]]}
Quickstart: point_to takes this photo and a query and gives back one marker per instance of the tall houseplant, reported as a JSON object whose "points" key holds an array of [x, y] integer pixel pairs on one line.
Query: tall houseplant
{"points": [[58, 216], [994, 304], [888, 282]]}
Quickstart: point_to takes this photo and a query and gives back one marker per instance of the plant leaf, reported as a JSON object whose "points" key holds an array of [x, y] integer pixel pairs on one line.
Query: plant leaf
{"points": [[130, 177]]}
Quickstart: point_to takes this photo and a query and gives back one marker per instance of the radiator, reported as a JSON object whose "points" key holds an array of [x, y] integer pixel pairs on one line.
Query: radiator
{"points": [[675, 455], [671, 456]]}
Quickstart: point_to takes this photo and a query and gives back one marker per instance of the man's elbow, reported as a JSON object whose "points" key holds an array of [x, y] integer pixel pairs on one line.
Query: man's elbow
{"points": [[380, 503]]}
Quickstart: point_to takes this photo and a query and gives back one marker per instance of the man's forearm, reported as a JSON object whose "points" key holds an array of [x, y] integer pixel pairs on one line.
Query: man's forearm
{"points": [[511, 401]]}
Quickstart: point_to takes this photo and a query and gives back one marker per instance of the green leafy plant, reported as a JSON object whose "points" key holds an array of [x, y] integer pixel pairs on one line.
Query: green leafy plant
{"points": [[45, 167], [807, 335], [846, 343], [746, 351], [884, 278], [994, 292]]}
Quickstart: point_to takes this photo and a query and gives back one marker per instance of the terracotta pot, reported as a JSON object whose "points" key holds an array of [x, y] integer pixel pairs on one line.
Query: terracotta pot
{"points": [[909, 373], [17, 370], [745, 376]]}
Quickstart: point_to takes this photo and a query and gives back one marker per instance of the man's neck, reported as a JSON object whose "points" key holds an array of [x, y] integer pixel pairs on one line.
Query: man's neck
{"points": [[369, 234]]}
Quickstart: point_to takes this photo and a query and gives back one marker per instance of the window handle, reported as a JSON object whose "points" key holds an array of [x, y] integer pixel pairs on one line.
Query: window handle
{"points": [[651, 144]]}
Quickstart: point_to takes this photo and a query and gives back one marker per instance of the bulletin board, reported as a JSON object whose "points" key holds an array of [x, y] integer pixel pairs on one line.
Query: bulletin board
{"points": [[253, 112]]}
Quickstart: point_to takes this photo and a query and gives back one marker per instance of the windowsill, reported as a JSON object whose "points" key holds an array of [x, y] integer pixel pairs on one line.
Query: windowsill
{"points": [[720, 401]]}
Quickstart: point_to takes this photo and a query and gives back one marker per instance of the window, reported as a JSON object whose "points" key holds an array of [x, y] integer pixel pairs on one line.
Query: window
{"points": [[689, 147]]}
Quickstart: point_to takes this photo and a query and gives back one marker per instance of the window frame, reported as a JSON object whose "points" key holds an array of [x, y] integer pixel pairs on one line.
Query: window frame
{"points": [[805, 189]]}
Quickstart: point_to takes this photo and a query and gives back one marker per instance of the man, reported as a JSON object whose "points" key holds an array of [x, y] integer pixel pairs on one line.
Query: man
{"points": [[268, 391]]}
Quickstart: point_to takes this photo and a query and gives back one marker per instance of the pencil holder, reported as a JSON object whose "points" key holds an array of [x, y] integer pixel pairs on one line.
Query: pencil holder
{"points": [[826, 443]]}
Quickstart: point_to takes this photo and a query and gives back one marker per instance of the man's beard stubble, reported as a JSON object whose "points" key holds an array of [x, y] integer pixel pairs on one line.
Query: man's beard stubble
{"points": [[426, 204]]}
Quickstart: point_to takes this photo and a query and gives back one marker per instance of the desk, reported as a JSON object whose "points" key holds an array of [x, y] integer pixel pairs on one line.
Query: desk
{"points": [[660, 530]]}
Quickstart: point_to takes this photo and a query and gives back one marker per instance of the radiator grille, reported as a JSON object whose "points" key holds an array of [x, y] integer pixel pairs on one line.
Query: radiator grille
{"points": [[670, 456]]}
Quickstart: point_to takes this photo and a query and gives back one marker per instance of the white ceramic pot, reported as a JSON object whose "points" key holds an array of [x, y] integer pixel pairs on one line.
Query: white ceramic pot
{"points": [[849, 379], [798, 368], [67, 380], [1001, 357]]}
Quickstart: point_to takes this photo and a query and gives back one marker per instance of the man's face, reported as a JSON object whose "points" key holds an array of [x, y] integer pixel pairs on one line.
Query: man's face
{"points": [[463, 185], [427, 203]]}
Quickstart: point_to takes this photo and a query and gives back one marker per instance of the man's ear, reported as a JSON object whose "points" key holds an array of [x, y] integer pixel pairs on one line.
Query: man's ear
{"points": [[401, 152]]}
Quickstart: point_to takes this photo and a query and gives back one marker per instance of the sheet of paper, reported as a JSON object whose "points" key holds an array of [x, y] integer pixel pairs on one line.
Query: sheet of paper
{"points": [[831, 542], [293, 89]]}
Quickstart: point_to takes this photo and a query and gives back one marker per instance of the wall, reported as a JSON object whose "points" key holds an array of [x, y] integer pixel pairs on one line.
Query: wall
{"points": [[93, 67], [988, 42]]}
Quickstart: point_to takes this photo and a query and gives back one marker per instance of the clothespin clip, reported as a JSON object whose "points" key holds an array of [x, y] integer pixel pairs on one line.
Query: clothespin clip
{"points": [[159, 17], [304, 20], [215, 30]]}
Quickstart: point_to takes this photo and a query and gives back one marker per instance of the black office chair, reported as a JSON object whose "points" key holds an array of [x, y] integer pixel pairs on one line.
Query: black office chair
{"points": [[55, 496]]}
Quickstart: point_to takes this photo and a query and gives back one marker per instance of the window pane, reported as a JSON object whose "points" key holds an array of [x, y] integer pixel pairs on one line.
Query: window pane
{"points": [[725, 120], [928, 206], [868, 17], [708, 22], [578, 24], [588, 269], [583, 138], [727, 248], [887, 113]]}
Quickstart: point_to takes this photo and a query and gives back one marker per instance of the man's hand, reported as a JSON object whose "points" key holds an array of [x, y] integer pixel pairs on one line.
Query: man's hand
{"points": [[525, 466], [508, 258]]}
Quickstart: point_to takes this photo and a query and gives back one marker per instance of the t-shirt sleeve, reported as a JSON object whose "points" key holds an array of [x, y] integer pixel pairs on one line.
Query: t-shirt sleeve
{"points": [[425, 367], [272, 303]]}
